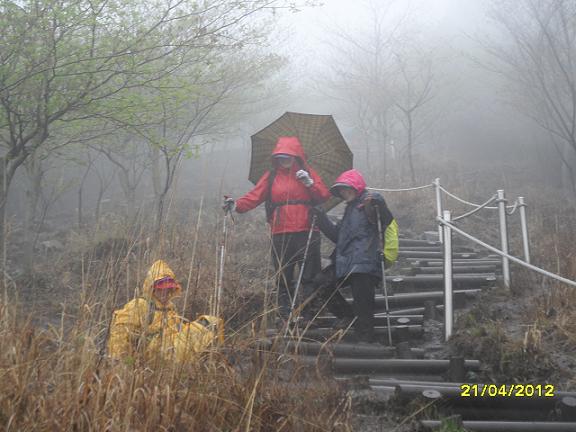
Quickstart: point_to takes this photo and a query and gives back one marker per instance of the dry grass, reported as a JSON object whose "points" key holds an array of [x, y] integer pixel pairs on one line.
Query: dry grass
{"points": [[52, 381], [55, 376], [53, 324]]}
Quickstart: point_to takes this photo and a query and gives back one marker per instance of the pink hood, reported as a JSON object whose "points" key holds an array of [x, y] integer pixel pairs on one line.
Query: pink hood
{"points": [[351, 178]]}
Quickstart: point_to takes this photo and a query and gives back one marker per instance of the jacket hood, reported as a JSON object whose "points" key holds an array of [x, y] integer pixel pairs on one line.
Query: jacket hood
{"points": [[289, 145], [157, 271], [351, 178]]}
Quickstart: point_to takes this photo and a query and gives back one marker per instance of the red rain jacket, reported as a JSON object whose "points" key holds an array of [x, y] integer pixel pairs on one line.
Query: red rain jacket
{"points": [[286, 187]]}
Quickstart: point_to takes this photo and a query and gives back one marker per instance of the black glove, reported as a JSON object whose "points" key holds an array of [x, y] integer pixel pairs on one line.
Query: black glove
{"points": [[317, 211]]}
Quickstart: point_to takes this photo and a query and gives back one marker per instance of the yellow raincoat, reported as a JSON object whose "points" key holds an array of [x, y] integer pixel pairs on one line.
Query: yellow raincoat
{"points": [[157, 330]]}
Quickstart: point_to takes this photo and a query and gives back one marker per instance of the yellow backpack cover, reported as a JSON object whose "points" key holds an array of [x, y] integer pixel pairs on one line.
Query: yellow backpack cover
{"points": [[391, 243]]}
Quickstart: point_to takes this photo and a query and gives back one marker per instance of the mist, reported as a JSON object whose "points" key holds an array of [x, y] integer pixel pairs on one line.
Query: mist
{"points": [[328, 64], [128, 133]]}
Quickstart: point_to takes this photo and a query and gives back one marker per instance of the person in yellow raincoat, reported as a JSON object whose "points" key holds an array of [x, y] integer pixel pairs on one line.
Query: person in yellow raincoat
{"points": [[150, 324]]}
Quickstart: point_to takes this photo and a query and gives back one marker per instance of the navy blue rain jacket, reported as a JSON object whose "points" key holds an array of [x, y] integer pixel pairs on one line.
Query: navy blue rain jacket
{"points": [[358, 243]]}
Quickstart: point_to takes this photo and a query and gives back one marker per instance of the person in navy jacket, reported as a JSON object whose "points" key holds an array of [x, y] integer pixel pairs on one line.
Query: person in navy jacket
{"points": [[357, 258]]}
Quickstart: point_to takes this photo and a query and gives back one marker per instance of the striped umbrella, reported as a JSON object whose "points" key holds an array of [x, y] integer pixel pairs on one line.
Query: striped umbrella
{"points": [[325, 148]]}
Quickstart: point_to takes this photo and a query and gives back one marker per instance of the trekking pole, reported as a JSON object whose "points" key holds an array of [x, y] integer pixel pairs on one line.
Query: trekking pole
{"points": [[193, 258], [227, 211], [301, 274], [382, 239]]}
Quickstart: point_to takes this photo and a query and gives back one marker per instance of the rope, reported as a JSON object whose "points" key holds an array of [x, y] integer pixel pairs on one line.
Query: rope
{"points": [[514, 207], [457, 198], [471, 212], [510, 257], [401, 190], [460, 199], [468, 202]]}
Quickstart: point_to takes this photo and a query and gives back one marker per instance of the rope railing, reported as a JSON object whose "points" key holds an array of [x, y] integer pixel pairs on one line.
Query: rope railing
{"points": [[463, 201], [401, 190], [477, 209], [446, 225], [513, 210], [457, 198], [450, 194], [503, 254], [503, 211]]}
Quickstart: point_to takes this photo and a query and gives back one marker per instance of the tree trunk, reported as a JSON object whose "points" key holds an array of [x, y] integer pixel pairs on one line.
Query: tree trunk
{"points": [[33, 192], [3, 239], [80, 216], [158, 190], [132, 212], [81, 194], [156, 172], [104, 182], [97, 207], [409, 144], [129, 191], [567, 175], [383, 134], [159, 213]]}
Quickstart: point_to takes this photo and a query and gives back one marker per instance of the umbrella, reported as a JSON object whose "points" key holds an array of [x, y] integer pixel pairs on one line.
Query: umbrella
{"points": [[325, 148]]}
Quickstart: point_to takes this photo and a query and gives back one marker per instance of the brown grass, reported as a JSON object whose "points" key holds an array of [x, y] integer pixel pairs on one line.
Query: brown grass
{"points": [[54, 374], [53, 382], [54, 321]]}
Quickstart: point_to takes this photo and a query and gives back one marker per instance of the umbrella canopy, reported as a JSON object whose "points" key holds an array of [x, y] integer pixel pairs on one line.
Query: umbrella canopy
{"points": [[325, 148]]}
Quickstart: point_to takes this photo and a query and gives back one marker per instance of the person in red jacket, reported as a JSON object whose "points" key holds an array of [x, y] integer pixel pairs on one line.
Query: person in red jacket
{"points": [[289, 189]]}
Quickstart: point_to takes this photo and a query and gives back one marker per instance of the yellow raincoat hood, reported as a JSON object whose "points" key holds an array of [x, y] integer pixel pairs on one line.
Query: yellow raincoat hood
{"points": [[160, 331], [158, 270]]}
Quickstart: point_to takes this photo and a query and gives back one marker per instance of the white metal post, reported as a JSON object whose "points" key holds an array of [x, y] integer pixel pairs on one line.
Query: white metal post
{"points": [[503, 236], [524, 224], [448, 300], [438, 206]]}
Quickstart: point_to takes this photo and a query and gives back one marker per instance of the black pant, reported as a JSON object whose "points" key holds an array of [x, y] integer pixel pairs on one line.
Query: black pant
{"points": [[363, 289], [287, 251], [328, 295]]}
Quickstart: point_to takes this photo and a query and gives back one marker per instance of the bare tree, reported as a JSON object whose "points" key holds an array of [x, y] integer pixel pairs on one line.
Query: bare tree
{"points": [[204, 105], [360, 76], [538, 57], [45, 185], [383, 78], [413, 92], [106, 177], [130, 156]]}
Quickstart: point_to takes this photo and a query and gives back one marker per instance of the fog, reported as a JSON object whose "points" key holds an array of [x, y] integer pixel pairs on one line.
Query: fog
{"points": [[365, 64]]}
